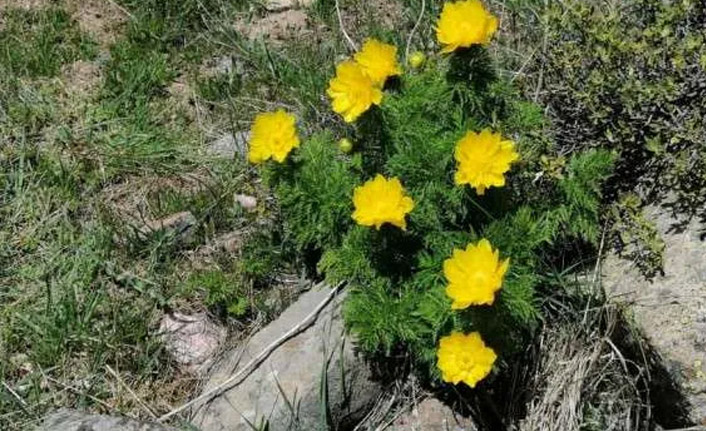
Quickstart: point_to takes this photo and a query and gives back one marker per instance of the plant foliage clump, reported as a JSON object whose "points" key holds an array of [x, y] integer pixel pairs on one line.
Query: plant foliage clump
{"points": [[396, 300]]}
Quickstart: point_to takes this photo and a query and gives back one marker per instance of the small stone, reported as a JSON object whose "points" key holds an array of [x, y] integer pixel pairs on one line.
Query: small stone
{"points": [[192, 340], [228, 146], [249, 203], [22, 364], [224, 65], [230, 242]]}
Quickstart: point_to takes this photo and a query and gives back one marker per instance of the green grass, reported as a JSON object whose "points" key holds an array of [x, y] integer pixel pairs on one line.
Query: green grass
{"points": [[78, 292], [38, 42]]}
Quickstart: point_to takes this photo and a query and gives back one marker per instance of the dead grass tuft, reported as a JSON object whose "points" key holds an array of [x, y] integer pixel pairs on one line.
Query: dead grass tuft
{"points": [[582, 381], [129, 200]]}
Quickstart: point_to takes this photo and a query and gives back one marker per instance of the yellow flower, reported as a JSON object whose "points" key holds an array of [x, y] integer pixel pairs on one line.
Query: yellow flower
{"points": [[464, 358], [272, 135], [352, 92], [474, 275], [483, 158], [464, 23], [417, 59], [378, 60], [381, 201]]}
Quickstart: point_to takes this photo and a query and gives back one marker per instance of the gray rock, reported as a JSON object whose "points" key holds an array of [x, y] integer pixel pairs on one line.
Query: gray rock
{"points": [[285, 389], [670, 311], [228, 146], [74, 420], [431, 415], [192, 340]]}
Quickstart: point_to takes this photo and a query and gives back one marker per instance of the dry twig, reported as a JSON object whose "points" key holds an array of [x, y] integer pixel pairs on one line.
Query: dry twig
{"points": [[414, 30], [130, 391], [352, 44]]}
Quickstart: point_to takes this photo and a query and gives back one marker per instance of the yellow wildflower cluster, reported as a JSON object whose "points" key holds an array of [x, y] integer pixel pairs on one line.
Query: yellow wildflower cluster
{"points": [[475, 274], [358, 83]]}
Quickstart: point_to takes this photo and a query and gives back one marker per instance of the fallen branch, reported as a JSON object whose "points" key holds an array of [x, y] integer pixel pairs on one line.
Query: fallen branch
{"points": [[238, 377]]}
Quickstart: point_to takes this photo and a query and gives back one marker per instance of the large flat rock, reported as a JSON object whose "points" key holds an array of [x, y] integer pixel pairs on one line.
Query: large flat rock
{"points": [[312, 379], [670, 310]]}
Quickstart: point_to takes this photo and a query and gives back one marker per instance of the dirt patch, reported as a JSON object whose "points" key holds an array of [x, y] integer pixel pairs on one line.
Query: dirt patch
{"points": [[276, 27], [101, 19], [182, 98], [129, 200], [357, 16], [81, 77]]}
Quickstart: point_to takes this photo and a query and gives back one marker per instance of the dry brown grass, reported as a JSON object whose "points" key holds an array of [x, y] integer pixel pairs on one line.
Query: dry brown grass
{"points": [[583, 381]]}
